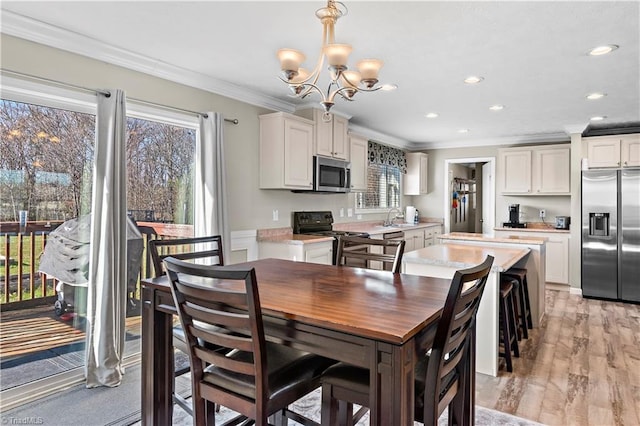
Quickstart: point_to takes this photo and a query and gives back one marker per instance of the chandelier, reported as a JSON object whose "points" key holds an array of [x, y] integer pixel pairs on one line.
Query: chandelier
{"points": [[343, 81]]}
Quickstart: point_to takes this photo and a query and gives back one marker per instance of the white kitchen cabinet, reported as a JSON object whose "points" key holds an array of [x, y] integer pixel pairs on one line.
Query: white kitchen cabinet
{"points": [[414, 239], [551, 171], [330, 138], [359, 147], [613, 151], [514, 171], [321, 252], [556, 256], [431, 235], [416, 179], [557, 260], [539, 170], [286, 152]]}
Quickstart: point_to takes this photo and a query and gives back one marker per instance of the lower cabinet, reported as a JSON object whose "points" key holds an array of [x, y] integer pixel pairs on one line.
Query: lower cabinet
{"points": [[321, 252], [414, 239], [431, 235], [557, 253]]}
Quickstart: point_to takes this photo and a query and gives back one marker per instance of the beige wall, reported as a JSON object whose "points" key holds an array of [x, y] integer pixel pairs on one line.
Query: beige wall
{"points": [[250, 207]]}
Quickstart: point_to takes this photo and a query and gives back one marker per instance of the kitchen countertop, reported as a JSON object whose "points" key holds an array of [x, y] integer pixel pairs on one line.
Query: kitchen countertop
{"points": [[514, 239], [286, 235], [376, 228], [535, 229], [465, 256]]}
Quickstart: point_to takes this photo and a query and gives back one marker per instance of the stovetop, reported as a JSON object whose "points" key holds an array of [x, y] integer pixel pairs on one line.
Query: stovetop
{"points": [[319, 223]]}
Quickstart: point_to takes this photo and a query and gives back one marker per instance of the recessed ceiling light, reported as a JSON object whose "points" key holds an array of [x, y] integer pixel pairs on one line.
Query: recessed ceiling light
{"points": [[603, 50], [473, 79], [596, 95], [497, 107], [463, 131], [598, 118], [431, 115]]}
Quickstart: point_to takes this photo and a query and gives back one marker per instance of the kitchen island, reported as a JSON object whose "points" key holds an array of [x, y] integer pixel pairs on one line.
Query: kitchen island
{"points": [[535, 263], [443, 260]]}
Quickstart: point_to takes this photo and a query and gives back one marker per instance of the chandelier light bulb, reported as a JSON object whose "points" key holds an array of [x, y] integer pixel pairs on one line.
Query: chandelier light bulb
{"points": [[290, 60], [343, 82], [337, 54]]}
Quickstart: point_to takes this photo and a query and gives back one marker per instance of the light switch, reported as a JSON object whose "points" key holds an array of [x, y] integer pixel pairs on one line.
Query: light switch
{"points": [[275, 215], [350, 212], [341, 212]]}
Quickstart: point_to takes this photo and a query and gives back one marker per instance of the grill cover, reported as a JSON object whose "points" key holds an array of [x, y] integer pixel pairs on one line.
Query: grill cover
{"points": [[66, 254]]}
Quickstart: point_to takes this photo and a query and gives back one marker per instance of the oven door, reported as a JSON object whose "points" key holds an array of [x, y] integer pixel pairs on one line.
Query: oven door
{"points": [[330, 175]]}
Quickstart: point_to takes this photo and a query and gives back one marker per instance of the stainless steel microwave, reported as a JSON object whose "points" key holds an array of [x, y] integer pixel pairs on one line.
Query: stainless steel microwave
{"points": [[331, 175]]}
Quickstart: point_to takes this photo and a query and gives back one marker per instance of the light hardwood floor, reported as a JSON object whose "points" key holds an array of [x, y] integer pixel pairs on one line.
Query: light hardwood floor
{"points": [[581, 367]]}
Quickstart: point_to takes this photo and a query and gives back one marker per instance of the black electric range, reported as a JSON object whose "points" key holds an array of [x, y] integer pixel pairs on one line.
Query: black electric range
{"points": [[320, 223]]}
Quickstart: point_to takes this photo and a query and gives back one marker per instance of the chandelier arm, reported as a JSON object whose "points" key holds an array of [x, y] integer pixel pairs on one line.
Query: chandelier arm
{"points": [[309, 87]]}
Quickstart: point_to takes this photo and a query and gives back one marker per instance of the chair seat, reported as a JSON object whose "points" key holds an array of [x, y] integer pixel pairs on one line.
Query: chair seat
{"points": [[287, 369], [356, 379]]}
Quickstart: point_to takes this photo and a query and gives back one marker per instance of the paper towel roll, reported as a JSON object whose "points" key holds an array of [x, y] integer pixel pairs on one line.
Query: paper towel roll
{"points": [[409, 214]]}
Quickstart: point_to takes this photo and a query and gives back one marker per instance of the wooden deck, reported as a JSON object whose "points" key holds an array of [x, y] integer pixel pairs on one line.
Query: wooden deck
{"points": [[38, 329]]}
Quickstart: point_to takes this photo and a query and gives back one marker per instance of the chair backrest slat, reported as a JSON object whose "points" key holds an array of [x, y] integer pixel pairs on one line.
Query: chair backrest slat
{"points": [[207, 249], [354, 249]]}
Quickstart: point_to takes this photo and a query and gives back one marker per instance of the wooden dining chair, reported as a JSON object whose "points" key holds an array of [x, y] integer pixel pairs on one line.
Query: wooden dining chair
{"points": [[251, 376], [197, 249], [365, 252], [440, 373]]}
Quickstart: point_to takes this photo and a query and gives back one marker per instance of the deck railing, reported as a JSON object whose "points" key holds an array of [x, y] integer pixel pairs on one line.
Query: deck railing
{"points": [[20, 257]]}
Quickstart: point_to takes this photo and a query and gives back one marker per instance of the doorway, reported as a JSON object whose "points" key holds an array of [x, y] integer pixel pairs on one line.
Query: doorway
{"points": [[469, 195]]}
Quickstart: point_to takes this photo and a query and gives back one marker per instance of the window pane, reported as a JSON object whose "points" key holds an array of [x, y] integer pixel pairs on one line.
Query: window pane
{"points": [[160, 172], [383, 188], [46, 162]]}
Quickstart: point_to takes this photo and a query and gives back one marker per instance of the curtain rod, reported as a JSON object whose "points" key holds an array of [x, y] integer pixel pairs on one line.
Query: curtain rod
{"points": [[108, 94]]}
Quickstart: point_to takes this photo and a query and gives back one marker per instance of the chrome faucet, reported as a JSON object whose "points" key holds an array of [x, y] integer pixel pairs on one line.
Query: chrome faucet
{"points": [[399, 215]]}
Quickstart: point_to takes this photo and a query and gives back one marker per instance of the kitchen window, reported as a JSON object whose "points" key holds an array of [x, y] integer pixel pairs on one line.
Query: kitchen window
{"points": [[384, 174]]}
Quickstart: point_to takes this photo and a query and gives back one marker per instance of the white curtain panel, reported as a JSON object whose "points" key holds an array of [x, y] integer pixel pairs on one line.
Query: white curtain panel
{"points": [[107, 287], [210, 182]]}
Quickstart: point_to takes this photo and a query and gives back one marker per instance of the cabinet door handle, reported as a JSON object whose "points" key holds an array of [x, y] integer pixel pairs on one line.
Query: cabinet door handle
{"points": [[625, 163]]}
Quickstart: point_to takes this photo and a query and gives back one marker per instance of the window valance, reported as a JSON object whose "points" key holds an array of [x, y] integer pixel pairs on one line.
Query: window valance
{"points": [[387, 156]]}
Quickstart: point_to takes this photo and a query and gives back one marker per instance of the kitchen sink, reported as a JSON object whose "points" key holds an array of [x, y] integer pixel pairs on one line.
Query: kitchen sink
{"points": [[396, 225]]}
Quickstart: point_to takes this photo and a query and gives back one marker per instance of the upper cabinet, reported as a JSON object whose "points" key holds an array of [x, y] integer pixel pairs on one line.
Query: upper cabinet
{"points": [[613, 151], [286, 152], [358, 147], [415, 180], [534, 170], [331, 138]]}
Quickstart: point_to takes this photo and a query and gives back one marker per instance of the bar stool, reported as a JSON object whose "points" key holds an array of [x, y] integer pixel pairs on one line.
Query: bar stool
{"points": [[508, 324], [524, 304]]}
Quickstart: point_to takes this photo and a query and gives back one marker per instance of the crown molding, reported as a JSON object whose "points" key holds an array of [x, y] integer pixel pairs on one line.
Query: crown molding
{"points": [[379, 137], [508, 140], [20, 26]]}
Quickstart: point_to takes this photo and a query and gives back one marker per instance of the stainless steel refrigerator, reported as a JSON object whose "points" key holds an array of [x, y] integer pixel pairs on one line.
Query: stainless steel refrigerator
{"points": [[611, 234]]}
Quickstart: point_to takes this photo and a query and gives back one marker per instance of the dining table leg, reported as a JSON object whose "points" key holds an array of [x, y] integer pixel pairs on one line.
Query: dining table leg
{"points": [[392, 393], [157, 362]]}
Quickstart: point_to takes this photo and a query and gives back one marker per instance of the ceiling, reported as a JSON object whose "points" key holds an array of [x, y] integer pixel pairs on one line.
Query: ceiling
{"points": [[532, 56]]}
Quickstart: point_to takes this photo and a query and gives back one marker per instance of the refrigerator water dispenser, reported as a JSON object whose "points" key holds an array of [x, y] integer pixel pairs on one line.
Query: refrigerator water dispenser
{"points": [[599, 224]]}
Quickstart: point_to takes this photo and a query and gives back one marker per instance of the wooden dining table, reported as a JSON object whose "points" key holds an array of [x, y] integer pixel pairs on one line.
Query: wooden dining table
{"points": [[373, 319]]}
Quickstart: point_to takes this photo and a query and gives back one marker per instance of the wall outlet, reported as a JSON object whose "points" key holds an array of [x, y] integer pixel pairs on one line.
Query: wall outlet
{"points": [[275, 215], [350, 212], [543, 213]]}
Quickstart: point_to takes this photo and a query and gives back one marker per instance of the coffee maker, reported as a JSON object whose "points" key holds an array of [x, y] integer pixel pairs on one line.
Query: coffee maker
{"points": [[514, 217]]}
